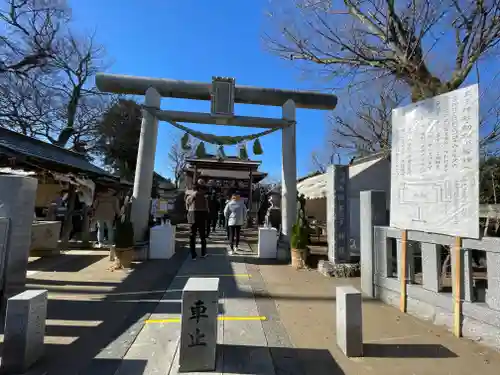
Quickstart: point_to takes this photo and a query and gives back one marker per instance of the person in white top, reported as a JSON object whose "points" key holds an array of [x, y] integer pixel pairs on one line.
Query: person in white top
{"points": [[236, 215]]}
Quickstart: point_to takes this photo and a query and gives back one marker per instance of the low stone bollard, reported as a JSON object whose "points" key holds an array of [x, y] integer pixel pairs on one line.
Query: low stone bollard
{"points": [[349, 321], [200, 303], [24, 330]]}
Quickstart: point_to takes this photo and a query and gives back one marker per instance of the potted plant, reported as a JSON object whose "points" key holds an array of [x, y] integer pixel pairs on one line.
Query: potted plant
{"points": [[300, 236], [124, 239]]}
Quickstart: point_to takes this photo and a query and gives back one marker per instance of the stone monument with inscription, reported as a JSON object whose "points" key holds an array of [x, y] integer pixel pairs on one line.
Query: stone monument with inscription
{"points": [[200, 301], [24, 331], [338, 214], [435, 164]]}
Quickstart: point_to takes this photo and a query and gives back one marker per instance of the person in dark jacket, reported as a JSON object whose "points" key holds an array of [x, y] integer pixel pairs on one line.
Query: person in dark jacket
{"points": [[221, 206], [197, 212], [213, 208]]}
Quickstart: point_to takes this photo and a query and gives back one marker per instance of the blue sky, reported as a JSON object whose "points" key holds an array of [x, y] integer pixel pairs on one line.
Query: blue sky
{"points": [[194, 40]]}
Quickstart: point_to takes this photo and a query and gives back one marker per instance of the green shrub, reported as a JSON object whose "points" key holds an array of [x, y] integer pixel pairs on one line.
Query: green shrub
{"points": [[300, 230], [299, 237], [124, 230]]}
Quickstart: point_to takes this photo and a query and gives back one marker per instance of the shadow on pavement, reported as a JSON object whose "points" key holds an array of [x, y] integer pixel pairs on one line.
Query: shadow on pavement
{"points": [[136, 366], [407, 351], [290, 297], [85, 327], [33, 282], [239, 359], [65, 263]]}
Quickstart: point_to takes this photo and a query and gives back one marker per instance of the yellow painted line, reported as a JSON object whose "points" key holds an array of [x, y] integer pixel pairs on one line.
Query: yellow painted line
{"points": [[235, 275], [457, 288], [233, 318]]}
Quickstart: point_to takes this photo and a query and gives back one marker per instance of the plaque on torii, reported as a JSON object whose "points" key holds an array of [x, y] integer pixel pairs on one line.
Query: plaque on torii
{"points": [[222, 96]]}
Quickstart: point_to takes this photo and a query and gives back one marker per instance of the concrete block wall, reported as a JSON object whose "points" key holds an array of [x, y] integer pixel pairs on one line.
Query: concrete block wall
{"points": [[480, 320]]}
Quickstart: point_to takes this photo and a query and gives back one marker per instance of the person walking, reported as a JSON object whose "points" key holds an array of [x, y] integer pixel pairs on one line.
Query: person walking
{"points": [[222, 206], [106, 209], [236, 214], [197, 212], [213, 208]]}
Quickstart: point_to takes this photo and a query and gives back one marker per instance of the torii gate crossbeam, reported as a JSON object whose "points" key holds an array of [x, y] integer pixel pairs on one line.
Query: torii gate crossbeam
{"points": [[154, 89]]}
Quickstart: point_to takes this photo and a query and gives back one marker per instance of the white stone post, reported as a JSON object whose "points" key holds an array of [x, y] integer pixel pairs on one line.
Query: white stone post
{"points": [[493, 291], [144, 169], [349, 321], [289, 173], [431, 261], [372, 213], [200, 304], [24, 331]]}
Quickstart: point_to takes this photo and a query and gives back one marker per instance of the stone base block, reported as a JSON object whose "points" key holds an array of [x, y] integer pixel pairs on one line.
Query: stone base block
{"points": [[329, 269], [24, 331], [349, 321]]}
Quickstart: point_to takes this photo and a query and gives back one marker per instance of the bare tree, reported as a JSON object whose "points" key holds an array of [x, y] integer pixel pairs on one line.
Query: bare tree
{"points": [[365, 127], [30, 32], [77, 60], [320, 160], [59, 105], [177, 159], [363, 39]]}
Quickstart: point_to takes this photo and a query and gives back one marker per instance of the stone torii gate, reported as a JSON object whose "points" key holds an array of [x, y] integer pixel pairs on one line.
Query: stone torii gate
{"points": [[222, 93]]}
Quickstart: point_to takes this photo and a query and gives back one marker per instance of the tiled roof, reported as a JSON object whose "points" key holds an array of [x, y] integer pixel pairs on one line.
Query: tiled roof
{"points": [[15, 143]]}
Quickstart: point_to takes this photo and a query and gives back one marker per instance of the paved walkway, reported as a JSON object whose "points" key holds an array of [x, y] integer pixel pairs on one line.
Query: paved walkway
{"points": [[96, 321], [298, 336], [243, 345]]}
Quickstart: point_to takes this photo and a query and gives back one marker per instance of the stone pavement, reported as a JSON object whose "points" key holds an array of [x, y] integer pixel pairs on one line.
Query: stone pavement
{"points": [[97, 321], [243, 346], [93, 314], [298, 336], [394, 343]]}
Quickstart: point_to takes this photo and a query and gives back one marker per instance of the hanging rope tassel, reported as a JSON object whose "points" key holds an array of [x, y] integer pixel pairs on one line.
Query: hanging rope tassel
{"points": [[257, 148]]}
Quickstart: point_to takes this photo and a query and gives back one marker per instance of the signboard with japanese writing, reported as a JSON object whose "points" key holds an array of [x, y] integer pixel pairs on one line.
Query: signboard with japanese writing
{"points": [[435, 164], [227, 183]]}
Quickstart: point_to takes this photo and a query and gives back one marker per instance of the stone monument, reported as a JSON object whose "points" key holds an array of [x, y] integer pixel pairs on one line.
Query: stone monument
{"points": [[200, 302], [17, 203]]}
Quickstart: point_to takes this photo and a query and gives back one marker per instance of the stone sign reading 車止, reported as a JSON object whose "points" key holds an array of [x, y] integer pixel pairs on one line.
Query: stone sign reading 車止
{"points": [[200, 301], [435, 165]]}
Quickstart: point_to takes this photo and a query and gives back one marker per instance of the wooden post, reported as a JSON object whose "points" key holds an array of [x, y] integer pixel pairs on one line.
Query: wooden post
{"points": [[403, 270], [68, 217], [85, 226], [457, 288], [249, 220]]}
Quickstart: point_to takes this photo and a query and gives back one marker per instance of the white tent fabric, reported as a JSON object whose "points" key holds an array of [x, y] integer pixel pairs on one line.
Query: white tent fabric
{"points": [[313, 187]]}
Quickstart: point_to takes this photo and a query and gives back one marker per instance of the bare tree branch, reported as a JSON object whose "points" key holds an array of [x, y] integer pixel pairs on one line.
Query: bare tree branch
{"points": [[177, 159], [31, 29], [363, 37]]}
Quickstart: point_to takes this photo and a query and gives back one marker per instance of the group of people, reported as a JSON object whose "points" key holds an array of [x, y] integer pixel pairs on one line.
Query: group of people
{"points": [[106, 207], [206, 210]]}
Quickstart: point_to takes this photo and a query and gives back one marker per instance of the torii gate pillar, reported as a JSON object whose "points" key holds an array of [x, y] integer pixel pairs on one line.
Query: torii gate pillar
{"points": [[143, 180], [288, 172]]}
